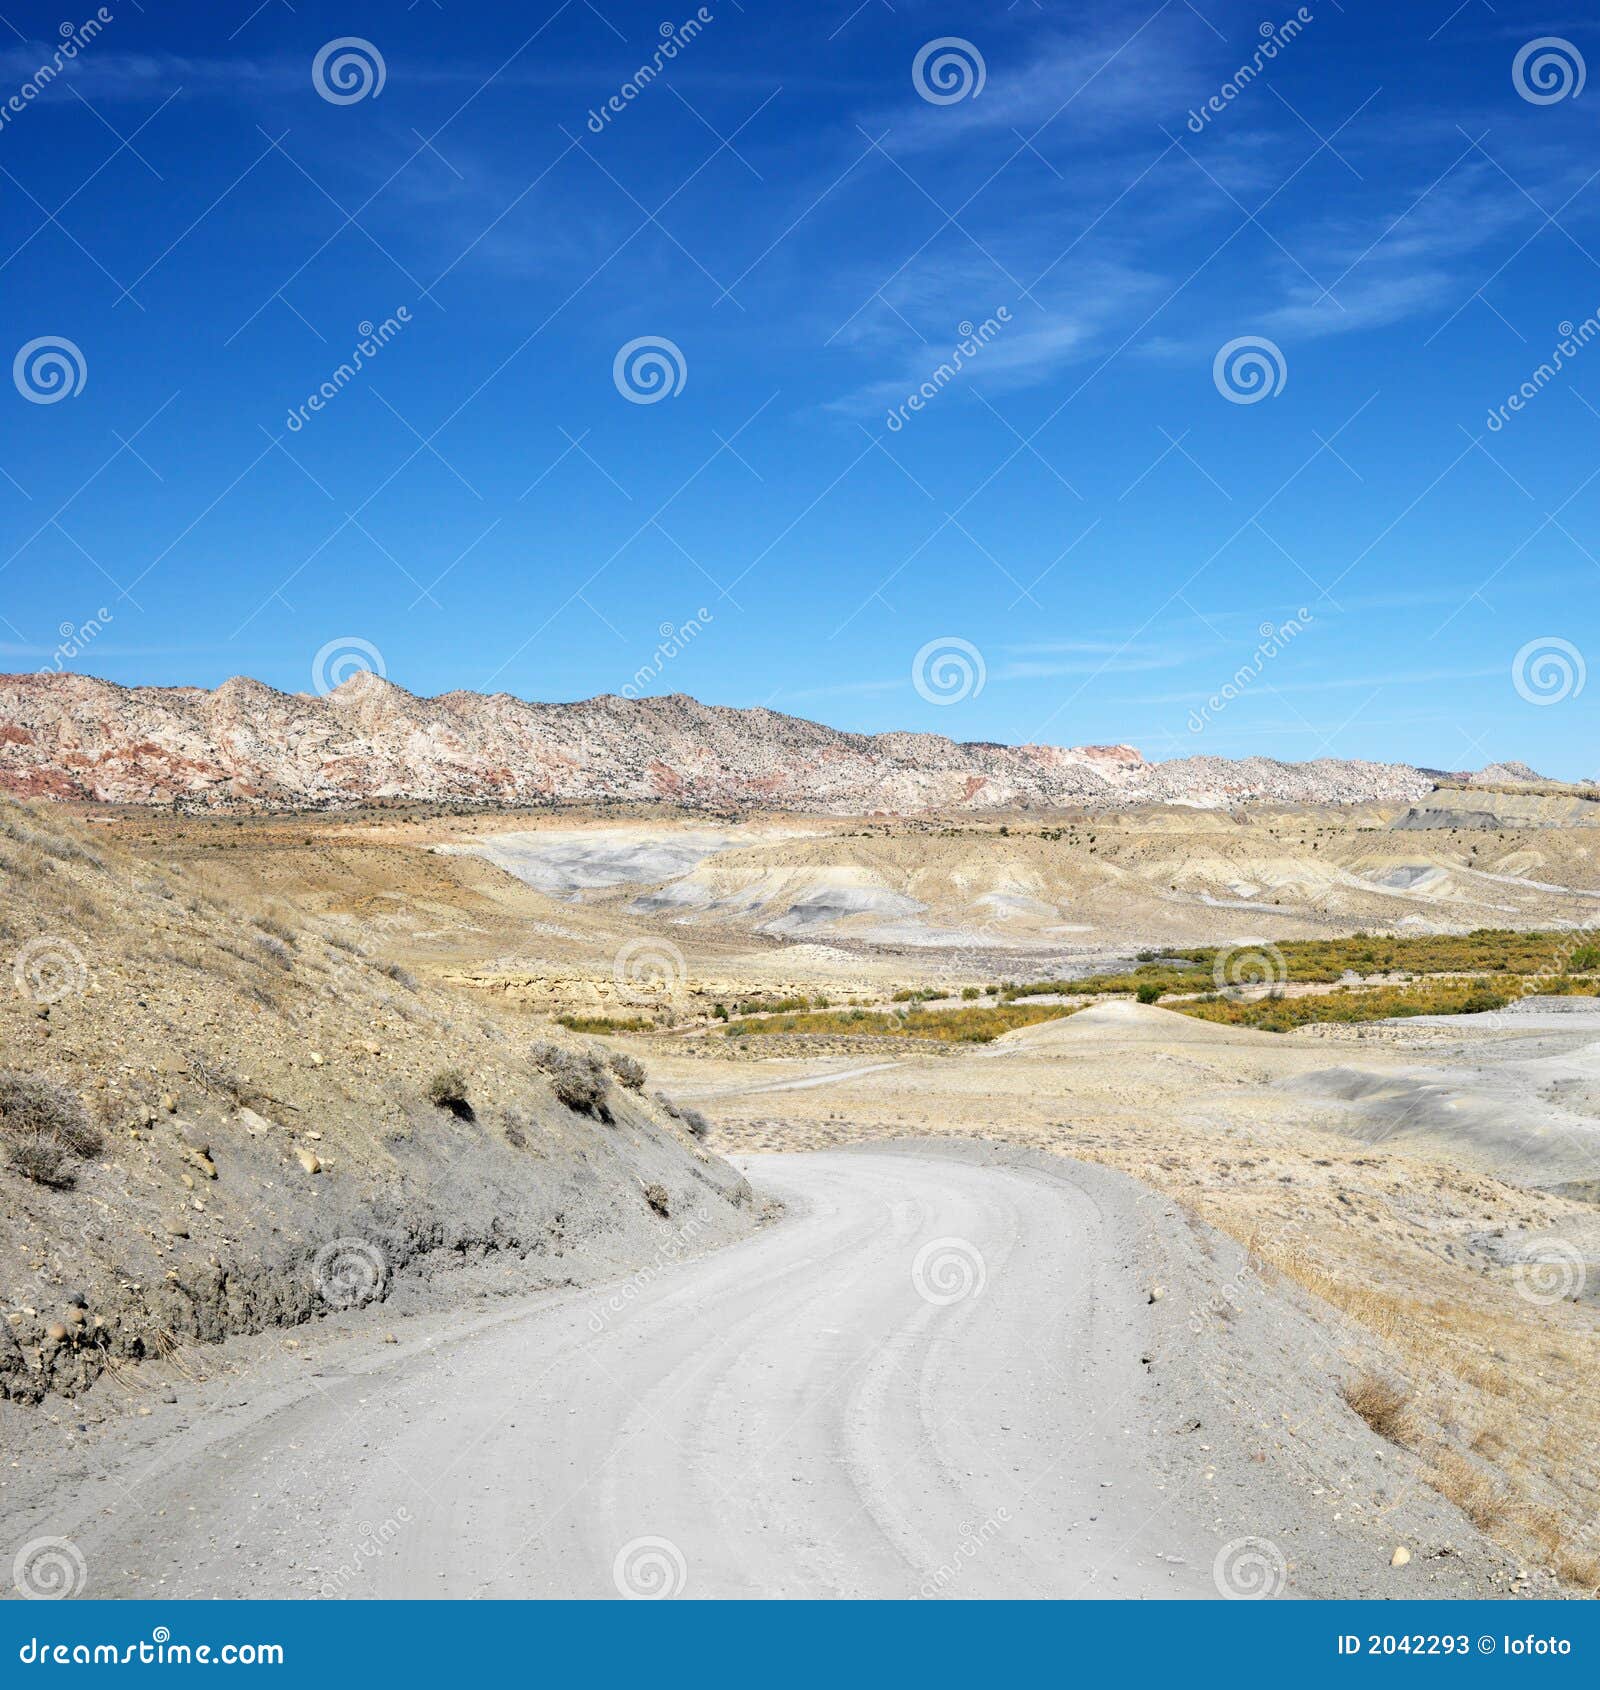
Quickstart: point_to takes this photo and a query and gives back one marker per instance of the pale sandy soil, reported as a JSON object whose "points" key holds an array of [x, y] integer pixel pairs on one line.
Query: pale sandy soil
{"points": [[1400, 1199], [1414, 1238]]}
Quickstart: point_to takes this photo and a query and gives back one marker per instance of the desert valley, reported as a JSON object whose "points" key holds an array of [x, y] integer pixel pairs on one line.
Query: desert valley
{"points": [[1074, 1174]]}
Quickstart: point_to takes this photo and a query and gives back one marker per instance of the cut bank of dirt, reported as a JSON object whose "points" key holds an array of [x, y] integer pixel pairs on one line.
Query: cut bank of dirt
{"points": [[218, 1117]]}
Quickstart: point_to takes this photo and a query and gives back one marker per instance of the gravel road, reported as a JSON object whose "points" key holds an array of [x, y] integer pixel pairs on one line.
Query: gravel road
{"points": [[935, 1374]]}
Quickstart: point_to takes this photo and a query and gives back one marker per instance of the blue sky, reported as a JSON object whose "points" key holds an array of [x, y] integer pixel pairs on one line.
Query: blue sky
{"points": [[1082, 503]]}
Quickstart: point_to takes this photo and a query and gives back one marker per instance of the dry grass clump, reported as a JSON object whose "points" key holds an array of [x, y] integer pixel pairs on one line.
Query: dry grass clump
{"points": [[1384, 1405], [1481, 1496], [15, 826], [581, 1080], [606, 1023], [276, 927], [275, 950], [46, 1128]]}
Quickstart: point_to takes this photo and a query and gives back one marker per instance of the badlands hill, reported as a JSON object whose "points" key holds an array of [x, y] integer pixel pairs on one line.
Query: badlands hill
{"points": [[218, 1116], [72, 736]]}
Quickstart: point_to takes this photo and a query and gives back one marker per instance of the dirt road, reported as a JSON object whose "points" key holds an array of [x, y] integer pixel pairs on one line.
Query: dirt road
{"points": [[936, 1374]]}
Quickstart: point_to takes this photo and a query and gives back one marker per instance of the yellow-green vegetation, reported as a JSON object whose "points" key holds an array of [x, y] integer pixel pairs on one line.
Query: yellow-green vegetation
{"points": [[957, 1026], [1541, 957], [1169, 977], [769, 1006], [1451, 978], [1487, 950], [1275, 1014], [606, 1023], [1271, 1012]]}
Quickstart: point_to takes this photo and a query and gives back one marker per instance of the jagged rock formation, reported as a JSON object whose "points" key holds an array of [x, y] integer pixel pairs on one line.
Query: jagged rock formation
{"points": [[72, 736]]}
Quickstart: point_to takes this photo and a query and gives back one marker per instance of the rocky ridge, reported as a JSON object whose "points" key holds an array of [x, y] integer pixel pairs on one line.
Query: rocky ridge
{"points": [[245, 744]]}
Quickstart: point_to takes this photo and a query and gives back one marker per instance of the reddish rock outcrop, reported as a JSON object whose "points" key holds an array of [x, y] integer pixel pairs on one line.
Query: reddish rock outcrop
{"points": [[74, 736]]}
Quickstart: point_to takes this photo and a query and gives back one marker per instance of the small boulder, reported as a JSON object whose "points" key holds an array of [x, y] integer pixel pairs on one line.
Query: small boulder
{"points": [[308, 1159]]}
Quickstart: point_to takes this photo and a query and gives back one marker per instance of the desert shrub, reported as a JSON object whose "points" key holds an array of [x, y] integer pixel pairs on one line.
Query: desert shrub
{"points": [[1148, 993], [629, 1070], [580, 1079], [447, 1089], [694, 1122], [393, 971], [45, 1126], [1381, 1403]]}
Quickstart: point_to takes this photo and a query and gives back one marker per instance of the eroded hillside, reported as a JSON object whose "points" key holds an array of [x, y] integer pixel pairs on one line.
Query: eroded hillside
{"points": [[217, 1117]]}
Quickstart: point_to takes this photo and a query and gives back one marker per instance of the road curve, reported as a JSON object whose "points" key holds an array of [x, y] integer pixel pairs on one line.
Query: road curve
{"points": [[918, 1381]]}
